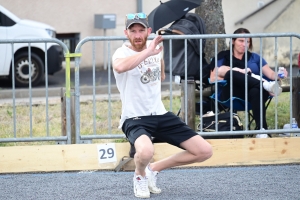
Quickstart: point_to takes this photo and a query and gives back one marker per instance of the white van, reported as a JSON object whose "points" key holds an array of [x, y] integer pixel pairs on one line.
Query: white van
{"points": [[12, 27]]}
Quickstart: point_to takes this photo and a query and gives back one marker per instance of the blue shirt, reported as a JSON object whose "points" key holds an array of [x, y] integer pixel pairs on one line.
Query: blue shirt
{"points": [[253, 63]]}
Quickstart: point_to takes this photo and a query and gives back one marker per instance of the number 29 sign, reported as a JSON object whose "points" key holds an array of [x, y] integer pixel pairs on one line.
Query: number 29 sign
{"points": [[107, 153]]}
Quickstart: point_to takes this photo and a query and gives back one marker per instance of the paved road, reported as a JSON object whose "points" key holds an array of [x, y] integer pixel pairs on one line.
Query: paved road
{"points": [[57, 81], [258, 182], [86, 78]]}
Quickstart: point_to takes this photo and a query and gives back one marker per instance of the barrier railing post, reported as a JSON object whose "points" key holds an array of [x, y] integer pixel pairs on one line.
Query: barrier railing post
{"points": [[64, 115], [68, 95], [191, 110], [63, 112]]}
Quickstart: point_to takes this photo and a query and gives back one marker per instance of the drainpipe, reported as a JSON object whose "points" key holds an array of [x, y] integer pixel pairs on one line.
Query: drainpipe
{"points": [[139, 6]]}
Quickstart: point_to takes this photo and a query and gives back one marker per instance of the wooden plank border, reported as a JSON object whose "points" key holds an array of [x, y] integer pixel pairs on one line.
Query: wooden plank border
{"points": [[77, 157]]}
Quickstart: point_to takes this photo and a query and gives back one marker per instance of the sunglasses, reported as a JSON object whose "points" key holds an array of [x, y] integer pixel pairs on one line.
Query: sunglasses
{"points": [[136, 16]]}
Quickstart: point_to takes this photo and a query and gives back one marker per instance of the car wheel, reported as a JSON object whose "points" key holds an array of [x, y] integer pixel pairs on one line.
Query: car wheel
{"points": [[22, 70]]}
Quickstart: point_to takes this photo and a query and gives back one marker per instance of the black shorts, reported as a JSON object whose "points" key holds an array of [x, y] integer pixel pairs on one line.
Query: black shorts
{"points": [[167, 128]]}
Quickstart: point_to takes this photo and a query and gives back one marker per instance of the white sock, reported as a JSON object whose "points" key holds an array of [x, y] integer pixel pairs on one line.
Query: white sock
{"points": [[149, 167]]}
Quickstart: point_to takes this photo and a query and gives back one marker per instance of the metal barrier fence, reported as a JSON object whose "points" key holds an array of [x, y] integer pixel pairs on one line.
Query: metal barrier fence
{"points": [[88, 137], [103, 113], [14, 136]]}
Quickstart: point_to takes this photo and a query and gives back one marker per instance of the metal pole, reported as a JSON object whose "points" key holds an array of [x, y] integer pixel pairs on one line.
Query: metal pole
{"points": [[191, 110], [139, 4], [104, 51]]}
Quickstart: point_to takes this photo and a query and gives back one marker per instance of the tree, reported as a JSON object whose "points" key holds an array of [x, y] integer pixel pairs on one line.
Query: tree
{"points": [[212, 13]]}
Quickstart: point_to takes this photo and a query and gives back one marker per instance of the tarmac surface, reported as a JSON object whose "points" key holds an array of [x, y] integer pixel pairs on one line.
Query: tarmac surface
{"points": [[57, 81], [270, 182], [256, 182]]}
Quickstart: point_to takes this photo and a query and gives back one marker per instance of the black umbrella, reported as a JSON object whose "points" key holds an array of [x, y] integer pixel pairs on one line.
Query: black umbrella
{"points": [[170, 11]]}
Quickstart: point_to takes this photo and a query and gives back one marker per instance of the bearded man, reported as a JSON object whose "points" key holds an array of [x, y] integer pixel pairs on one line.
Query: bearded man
{"points": [[139, 69]]}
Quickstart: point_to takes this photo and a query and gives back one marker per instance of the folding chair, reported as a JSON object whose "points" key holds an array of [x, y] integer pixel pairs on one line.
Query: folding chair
{"points": [[238, 104]]}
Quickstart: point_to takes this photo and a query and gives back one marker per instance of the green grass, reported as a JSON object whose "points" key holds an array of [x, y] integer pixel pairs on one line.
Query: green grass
{"points": [[103, 124], [102, 120], [282, 107]]}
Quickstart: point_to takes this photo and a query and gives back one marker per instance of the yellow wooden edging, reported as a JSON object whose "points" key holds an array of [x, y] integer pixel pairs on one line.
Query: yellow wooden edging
{"points": [[77, 157]]}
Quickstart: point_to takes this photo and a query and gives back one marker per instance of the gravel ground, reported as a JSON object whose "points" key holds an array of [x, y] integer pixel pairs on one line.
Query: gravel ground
{"points": [[258, 182]]}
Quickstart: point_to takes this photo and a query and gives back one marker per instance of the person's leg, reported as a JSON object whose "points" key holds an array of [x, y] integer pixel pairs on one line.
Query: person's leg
{"points": [[254, 99], [196, 150], [238, 88], [238, 85], [272, 87], [173, 130], [138, 136], [144, 153], [142, 157], [168, 128]]}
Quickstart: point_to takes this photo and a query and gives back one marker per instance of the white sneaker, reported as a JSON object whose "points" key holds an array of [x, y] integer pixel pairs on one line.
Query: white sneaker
{"points": [[284, 135], [152, 177], [208, 114], [140, 187], [272, 87], [262, 135]]}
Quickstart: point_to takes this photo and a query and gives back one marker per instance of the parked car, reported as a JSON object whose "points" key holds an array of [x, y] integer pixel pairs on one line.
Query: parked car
{"points": [[12, 27]]}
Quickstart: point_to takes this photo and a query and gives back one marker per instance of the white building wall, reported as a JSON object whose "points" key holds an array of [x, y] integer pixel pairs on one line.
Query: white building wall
{"points": [[69, 16], [278, 17], [287, 22], [234, 10]]}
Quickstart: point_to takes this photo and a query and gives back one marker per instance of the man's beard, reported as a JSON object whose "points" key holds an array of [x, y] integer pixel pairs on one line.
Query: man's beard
{"points": [[138, 47]]}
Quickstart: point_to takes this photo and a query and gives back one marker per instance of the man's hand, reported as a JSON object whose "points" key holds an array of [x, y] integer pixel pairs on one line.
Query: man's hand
{"points": [[152, 47]]}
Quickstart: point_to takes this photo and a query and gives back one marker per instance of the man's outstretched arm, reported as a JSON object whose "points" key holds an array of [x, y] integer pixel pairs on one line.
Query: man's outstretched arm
{"points": [[125, 64]]}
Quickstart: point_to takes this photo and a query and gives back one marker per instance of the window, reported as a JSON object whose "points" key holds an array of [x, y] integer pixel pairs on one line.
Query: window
{"points": [[6, 21], [70, 39]]}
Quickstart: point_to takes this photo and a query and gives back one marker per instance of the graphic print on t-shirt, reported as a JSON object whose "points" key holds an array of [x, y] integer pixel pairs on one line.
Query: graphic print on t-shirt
{"points": [[152, 74], [149, 70]]}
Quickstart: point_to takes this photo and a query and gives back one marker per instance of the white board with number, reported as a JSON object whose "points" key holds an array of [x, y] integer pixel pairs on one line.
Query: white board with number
{"points": [[107, 153]]}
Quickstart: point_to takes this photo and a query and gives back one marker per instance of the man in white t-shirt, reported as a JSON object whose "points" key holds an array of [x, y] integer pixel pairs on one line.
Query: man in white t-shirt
{"points": [[139, 69]]}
